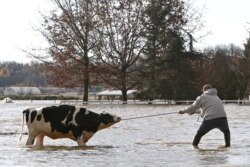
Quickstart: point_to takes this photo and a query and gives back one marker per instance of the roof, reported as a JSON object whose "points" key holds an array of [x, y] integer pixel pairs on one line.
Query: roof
{"points": [[114, 92], [7, 100], [21, 90]]}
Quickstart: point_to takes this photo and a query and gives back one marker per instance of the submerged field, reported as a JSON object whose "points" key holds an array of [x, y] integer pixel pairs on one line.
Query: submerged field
{"points": [[154, 141]]}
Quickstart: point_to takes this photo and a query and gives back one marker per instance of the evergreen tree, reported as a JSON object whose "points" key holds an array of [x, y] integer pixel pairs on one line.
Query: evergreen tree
{"points": [[166, 62]]}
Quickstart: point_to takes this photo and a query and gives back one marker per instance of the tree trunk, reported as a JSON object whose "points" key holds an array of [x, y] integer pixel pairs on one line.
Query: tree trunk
{"points": [[86, 78], [86, 89], [124, 96]]}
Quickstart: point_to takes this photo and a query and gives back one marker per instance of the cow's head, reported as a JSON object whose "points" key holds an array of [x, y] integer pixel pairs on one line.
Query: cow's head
{"points": [[107, 120]]}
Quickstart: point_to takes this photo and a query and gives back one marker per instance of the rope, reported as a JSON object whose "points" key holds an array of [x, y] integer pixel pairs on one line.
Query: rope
{"points": [[10, 133], [146, 116]]}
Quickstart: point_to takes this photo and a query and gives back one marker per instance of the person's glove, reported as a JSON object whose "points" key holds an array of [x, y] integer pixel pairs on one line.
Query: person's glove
{"points": [[181, 112]]}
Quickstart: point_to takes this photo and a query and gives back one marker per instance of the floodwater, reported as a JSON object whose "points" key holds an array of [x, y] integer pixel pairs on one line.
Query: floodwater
{"points": [[158, 141]]}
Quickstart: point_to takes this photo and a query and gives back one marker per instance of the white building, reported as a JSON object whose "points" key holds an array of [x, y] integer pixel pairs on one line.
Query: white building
{"points": [[115, 93], [12, 91]]}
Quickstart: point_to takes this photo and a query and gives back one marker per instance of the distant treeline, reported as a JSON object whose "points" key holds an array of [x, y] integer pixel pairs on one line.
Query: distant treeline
{"points": [[19, 74], [226, 67]]}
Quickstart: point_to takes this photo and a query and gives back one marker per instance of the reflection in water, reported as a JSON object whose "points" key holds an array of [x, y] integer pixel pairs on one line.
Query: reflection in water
{"points": [[157, 141], [213, 156], [168, 143], [67, 148]]}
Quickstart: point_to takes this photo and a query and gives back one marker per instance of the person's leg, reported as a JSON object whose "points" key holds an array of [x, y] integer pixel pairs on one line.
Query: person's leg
{"points": [[223, 126], [227, 137], [204, 128], [197, 138]]}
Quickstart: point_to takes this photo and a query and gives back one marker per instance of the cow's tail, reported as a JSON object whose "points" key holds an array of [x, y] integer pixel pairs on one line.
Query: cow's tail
{"points": [[21, 134]]}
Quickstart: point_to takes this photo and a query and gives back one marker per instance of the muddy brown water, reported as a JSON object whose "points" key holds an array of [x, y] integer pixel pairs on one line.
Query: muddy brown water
{"points": [[147, 142]]}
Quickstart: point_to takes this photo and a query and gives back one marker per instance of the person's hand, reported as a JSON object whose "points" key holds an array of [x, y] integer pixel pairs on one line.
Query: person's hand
{"points": [[181, 112]]}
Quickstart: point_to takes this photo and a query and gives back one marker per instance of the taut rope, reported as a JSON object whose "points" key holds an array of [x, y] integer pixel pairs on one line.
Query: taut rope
{"points": [[146, 116]]}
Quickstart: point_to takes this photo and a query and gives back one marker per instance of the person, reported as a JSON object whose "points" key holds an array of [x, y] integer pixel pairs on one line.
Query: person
{"points": [[212, 112]]}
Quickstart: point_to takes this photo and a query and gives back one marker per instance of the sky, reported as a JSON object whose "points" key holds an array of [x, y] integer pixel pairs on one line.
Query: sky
{"points": [[18, 19], [227, 21]]}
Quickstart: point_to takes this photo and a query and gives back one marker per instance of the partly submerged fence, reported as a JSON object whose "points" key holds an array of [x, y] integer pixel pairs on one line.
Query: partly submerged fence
{"points": [[165, 102]]}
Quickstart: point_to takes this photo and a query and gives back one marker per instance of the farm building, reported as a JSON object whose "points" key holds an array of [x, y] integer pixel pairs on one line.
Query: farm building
{"points": [[12, 91], [113, 94]]}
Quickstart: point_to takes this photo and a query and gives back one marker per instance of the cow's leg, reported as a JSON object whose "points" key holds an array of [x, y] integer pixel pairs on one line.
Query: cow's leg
{"points": [[31, 138], [87, 136], [39, 139], [80, 140]]}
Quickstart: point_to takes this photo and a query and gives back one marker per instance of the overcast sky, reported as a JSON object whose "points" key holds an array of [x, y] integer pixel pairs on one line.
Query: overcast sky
{"points": [[227, 20], [17, 20]]}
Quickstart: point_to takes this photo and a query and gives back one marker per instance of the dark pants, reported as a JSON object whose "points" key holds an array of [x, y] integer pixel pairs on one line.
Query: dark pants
{"points": [[207, 125]]}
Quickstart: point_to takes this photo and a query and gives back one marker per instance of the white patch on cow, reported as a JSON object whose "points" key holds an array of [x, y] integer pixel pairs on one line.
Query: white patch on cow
{"points": [[86, 112], [38, 127], [32, 109], [39, 110], [64, 121], [74, 116], [42, 125]]}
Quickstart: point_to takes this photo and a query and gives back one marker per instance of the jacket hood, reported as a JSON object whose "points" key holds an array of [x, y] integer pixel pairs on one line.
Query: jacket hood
{"points": [[211, 91]]}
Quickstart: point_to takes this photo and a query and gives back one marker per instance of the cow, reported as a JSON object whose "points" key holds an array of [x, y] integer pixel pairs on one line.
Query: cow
{"points": [[64, 121]]}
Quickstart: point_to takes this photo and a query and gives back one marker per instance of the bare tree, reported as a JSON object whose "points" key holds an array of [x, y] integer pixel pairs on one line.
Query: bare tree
{"points": [[122, 40], [243, 72], [69, 30], [221, 67]]}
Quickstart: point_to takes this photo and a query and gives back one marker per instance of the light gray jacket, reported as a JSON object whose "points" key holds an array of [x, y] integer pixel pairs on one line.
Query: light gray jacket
{"points": [[210, 104]]}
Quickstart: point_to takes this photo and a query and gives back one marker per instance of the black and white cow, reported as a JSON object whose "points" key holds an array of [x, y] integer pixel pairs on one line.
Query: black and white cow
{"points": [[65, 121]]}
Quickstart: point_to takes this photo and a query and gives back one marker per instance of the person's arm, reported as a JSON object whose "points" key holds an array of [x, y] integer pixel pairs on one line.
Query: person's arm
{"points": [[193, 108]]}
